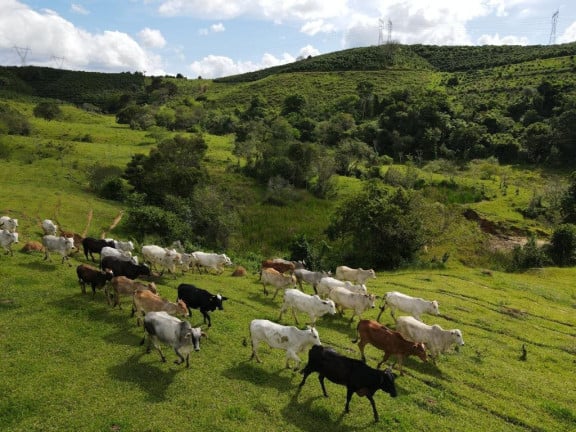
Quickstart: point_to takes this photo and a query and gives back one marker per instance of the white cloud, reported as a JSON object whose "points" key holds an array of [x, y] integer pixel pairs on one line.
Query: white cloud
{"points": [[311, 28], [216, 28], [48, 35], [505, 40], [79, 9], [308, 50], [219, 66], [569, 34], [276, 11], [152, 38]]}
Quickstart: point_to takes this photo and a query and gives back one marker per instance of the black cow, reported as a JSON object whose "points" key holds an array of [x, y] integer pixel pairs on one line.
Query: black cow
{"points": [[124, 268], [354, 374], [198, 298], [93, 276], [93, 245]]}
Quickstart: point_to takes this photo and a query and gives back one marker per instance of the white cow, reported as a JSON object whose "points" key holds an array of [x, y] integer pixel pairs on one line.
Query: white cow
{"points": [[326, 285], [117, 253], [7, 238], [49, 227], [312, 305], [310, 277], [61, 245], [157, 256], [358, 276], [289, 338], [414, 306], [188, 261], [434, 337], [211, 261], [180, 335], [9, 224], [278, 280], [345, 299], [122, 245]]}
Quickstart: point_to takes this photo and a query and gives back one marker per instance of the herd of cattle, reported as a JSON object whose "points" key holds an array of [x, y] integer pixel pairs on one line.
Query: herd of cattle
{"points": [[119, 270]]}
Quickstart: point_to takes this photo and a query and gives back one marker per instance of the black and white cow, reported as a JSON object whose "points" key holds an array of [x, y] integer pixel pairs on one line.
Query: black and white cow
{"points": [[198, 298]]}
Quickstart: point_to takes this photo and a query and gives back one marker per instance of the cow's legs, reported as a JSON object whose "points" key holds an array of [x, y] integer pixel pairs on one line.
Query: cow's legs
{"points": [[371, 399], [321, 379], [254, 353], [385, 358]]}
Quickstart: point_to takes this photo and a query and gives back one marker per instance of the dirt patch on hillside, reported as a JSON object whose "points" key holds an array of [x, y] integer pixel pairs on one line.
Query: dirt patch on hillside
{"points": [[501, 237]]}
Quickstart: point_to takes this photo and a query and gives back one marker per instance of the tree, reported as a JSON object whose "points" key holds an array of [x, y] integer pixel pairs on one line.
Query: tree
{"points": [[563, 245], [377, 228], [568, 201], [47, 110], [173, 168]]}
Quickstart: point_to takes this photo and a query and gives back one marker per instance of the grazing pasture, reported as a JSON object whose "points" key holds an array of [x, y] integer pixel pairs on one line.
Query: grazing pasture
{"points": [[70, 362]]}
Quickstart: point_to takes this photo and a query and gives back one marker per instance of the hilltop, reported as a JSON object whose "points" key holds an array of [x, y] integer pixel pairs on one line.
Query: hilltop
{"points": [[462, 117]]}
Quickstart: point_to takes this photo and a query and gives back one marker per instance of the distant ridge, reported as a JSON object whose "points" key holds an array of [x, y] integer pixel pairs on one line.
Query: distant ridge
{"points": [[439, 58]]}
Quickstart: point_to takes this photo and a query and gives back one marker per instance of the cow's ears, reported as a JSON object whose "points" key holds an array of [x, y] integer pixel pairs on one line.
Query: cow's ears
{"points": [[203, 334], [224, 298]]}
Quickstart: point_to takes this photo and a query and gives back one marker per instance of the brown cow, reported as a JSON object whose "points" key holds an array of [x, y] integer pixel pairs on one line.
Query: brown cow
{"points": [[389, 341], [278, 280], [122, 285], [146, 301], [95, 277], [280, 265], [33, 246]]}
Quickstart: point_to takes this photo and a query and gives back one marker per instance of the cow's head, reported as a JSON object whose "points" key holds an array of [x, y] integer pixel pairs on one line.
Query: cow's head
{"points": [[387, 382], [314, 337], [457, 336], [419, 349], [216, 302]]}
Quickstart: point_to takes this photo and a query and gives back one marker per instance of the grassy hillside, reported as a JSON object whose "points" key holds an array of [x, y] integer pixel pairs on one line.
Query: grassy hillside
{"points": [[70, 362]]}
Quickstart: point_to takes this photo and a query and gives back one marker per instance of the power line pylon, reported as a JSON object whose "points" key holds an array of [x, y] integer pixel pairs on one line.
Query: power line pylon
{"points": [[22, 53], [552, 39]]}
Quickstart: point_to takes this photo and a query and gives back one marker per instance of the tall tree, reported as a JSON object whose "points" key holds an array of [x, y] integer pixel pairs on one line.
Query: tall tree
{"points": [[173, 168], [377, 228]]}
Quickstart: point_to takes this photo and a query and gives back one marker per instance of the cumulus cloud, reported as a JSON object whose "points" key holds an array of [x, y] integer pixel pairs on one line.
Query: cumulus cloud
{"points": [[569, 34], [48, 35], [152, 38]]}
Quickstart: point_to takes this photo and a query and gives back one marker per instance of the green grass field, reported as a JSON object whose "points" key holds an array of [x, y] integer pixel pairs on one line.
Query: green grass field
{"points": [[72, 363]]}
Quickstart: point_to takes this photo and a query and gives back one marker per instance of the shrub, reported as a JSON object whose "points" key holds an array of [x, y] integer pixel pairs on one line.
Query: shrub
{"points": [[563, 245], [528, 256]]}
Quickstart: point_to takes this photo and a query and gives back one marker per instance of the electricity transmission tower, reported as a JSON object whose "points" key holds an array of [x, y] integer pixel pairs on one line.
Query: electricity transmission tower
{"points": [[380, 31], [22, 53], [552, 39], [58, 61], [381, 27]]}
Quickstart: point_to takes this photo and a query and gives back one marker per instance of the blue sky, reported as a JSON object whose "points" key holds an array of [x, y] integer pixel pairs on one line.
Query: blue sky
{"points": [[213, 38]]}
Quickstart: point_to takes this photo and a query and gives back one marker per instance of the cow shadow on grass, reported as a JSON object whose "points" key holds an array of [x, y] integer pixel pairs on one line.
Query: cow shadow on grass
{"points": [[252, 372], [307, 415], [152, 379], [41, 265]]}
